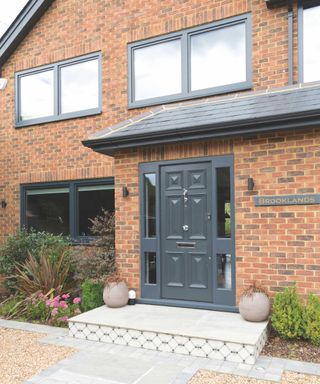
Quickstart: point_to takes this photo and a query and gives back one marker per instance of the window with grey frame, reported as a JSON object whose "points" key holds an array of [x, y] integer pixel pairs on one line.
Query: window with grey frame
{"points": [[201, 61], [66, 208], [309, 44], [63, 90]]}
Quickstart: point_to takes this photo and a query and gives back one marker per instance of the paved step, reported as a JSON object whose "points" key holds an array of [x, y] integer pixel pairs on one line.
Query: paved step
{"points": [[217, 335]]}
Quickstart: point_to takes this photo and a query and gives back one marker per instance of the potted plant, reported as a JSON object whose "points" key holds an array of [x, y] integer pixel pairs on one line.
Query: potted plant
{"points": [[115, 293], [254, 303]]}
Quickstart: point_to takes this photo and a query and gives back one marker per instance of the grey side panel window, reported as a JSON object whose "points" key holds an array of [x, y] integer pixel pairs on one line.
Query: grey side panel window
{"points": [[59, 91], [201, 61]]}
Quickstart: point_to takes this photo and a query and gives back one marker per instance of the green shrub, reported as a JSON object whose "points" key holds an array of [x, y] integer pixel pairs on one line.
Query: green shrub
{"points": [[20, 244], [92, 295], [97, 261], [312, 319], [11, 306], [43, 275], [288, 314]]}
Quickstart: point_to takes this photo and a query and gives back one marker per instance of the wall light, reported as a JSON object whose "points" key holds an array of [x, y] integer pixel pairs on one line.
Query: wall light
{"points": [[3, 83], [3, 204], [125, 192], [250, 184]]}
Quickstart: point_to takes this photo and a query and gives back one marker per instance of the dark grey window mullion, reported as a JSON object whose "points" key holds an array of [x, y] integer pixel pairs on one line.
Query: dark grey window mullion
{"points": [[56, 91], [185, 66], [73, 210]]}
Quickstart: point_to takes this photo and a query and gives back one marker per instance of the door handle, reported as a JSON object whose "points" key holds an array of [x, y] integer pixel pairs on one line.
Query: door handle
{"points": [[185, 228]]}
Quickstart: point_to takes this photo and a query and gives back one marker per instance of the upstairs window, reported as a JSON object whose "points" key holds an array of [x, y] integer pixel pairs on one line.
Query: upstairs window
{"points": [[59, 91], [310, 43], [201, 61]]}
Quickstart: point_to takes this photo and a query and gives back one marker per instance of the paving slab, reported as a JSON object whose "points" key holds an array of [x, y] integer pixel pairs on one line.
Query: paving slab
{"points": [[224, 326]]}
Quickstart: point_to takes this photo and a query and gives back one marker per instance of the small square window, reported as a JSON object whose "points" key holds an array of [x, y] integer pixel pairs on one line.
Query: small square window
{"points": [[157, 70], [37, 95], [218, 57], [80, 86]]}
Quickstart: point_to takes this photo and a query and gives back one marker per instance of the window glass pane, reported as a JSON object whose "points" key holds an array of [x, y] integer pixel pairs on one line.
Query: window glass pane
{"points": [[150, 204], [224, 271], [91, 201], [157, 70], [311, 44], [218, 57], [223, 202], [80, 86], [36, 95], [150, 268], [48, 210]]}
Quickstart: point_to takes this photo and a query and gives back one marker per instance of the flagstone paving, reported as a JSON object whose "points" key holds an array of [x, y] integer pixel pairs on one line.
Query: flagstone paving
{"points": [[101, 363]]}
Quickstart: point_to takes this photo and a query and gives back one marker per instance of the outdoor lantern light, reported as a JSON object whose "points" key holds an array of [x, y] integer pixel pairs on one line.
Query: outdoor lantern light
{"points": [[125, 192], [3, 83], [250, 184], [3, 204], [132, 297]]}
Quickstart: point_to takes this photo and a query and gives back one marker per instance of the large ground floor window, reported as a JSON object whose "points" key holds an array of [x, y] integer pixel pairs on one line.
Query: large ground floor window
{"points": [[67, 207]]}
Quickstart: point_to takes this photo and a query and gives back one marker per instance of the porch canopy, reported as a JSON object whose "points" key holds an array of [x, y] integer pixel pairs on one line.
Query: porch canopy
{"points": [[240, 114]]}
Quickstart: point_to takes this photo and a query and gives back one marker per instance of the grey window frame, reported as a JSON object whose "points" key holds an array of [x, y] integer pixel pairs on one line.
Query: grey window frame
{"points": [[184, 36], [303, 4], [73, 186], [57, 115]]}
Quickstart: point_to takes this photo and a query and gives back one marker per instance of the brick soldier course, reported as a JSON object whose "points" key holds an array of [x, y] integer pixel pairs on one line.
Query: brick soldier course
{"points": [[276, 246]]}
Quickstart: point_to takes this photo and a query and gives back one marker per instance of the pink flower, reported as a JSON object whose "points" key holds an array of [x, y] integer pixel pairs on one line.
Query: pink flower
{"points": [[63, 304], [76, 300], [55, 304], [49, 303], [66, 296], [64, 319], [54, 312]]}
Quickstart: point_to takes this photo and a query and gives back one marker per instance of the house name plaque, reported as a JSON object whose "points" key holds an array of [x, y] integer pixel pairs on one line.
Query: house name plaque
{"points": [[265, 201]]}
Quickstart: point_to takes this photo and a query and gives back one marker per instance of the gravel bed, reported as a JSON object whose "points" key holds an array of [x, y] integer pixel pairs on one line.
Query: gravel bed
{"points": [[206, 377], [291, 349], [22, 356]]}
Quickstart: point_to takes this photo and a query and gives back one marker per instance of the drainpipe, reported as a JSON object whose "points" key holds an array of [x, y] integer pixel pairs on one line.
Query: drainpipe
{"points": [[290, 42]]}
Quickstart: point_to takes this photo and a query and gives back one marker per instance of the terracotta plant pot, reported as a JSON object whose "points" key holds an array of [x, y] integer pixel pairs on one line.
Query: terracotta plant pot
{"points": [[115, 295], [255, 307]]}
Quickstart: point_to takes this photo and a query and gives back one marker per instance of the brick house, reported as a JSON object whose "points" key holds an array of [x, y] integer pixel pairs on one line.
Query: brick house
{"points": [[197, 120]]}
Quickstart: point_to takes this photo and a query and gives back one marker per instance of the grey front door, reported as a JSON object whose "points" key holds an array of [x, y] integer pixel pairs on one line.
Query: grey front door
{"points": [[186, 232]]}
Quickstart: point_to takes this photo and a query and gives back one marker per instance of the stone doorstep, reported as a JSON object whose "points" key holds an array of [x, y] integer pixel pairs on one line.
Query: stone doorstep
{"points": [[182, 343]]}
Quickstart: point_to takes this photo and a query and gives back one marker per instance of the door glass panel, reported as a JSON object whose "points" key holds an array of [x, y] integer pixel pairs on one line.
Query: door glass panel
{"points": [[48, 210], [150, 204], [223, 202], [150, 268], [224, 280]]}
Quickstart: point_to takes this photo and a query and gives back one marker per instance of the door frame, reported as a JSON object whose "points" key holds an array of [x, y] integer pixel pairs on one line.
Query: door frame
{"points": [[151, 293]]}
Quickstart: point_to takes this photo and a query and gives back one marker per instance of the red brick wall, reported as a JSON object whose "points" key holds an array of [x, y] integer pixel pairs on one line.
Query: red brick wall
{"points": [[53, 151], [276, 246]]}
